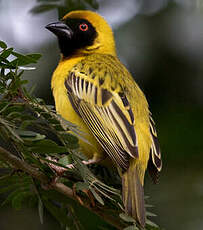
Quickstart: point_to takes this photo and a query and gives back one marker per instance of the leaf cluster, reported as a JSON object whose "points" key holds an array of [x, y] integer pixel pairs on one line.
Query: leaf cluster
{"points": [[31, 131], [10, 62]]}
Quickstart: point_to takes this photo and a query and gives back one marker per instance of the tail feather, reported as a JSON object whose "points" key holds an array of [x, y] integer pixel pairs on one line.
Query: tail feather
{"points": [[133, 196]]}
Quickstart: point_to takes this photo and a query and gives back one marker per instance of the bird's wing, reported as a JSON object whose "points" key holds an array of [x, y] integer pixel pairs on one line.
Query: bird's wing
{"points": [[155, 162], [104, 107]]}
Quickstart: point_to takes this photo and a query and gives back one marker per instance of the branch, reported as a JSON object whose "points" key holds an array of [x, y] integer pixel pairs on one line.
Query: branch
{"points": [[60, 187], [19, 164], [34, 172]]}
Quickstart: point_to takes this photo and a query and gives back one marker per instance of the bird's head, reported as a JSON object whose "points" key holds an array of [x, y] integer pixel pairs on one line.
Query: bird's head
{"points": [[83, 32]]}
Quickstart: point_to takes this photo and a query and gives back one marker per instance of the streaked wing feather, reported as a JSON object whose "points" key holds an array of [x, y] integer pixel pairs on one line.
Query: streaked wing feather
{"points": [[107, 114], [103, 136], [155, 162]]}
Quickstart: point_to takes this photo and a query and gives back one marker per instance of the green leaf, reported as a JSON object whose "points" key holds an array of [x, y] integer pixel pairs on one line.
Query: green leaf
{"points": [[3, 45], [96, 196], [22, 60], [65, 160], [132, 227], [35, 56], [148, 206], [30, 135], [126, 218], [18, 199], [47, 147], [8, 126], [150, 214], [38, 137], [13, 115], [41, 210], [25, 133], [14, 108], [6, 53], [151, 224], [80, 186], [71, 140], [4, 105], [13, 194]]}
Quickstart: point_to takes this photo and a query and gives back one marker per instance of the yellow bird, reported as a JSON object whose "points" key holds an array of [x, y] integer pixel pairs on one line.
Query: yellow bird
{"points": [[95, 91]]}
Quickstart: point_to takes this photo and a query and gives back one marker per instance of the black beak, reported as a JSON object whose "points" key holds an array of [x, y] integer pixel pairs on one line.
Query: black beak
{"points": [[60, 29]]}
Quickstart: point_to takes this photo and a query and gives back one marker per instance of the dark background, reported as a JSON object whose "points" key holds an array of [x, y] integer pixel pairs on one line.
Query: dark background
{"points": [[161, 43]]}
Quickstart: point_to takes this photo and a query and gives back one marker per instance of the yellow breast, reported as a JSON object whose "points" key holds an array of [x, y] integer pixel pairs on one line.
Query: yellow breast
{"points": [[65, 109]]}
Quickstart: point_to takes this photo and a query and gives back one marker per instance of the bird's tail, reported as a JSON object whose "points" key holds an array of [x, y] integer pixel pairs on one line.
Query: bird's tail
{"points": [[133, 195]]}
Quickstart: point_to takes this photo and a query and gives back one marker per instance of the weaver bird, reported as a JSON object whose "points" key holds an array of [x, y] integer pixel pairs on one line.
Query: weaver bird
{"points": [[94, 90]]}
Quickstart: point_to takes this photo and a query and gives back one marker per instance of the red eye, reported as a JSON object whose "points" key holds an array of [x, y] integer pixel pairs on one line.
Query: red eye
{"points": [[83, 27]]}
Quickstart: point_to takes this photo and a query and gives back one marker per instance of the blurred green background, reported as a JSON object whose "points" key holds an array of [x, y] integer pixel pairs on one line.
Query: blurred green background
{"points": [[161, 43]]}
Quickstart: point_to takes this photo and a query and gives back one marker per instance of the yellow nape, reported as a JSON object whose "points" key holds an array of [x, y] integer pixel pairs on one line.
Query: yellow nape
{"points": [[104, 43]]}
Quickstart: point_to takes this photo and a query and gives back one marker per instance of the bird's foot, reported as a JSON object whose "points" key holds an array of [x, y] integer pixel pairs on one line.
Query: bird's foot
{"points": [[93, 160], [59, 170]]}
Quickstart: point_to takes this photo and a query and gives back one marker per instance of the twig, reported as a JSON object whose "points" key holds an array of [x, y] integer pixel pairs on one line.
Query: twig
{"points": [[19, 164], [60, 187]]}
